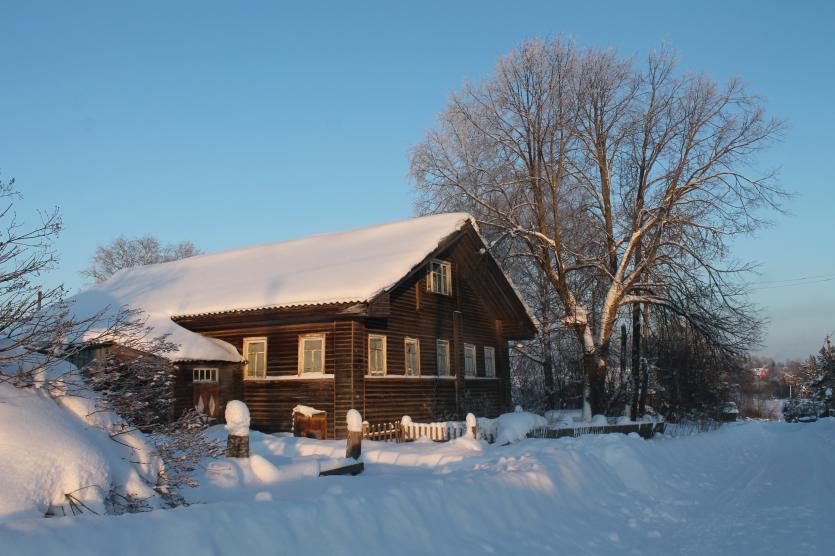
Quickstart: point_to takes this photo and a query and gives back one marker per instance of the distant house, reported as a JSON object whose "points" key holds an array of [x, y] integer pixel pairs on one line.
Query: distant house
{"points": [[407, 318]]}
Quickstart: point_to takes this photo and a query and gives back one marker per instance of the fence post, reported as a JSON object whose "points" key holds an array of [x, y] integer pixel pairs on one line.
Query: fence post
{"points": [[354, 446], [405, 425], [237, 429], [472, 425]]}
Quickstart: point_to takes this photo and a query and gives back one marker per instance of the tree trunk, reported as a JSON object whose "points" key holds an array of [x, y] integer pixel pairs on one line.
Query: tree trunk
{"points": [[548, 370], [595, 369], [636, 360]]}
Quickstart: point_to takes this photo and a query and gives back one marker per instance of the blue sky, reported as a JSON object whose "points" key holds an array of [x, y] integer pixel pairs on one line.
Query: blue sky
{"points": [[237, 123]]}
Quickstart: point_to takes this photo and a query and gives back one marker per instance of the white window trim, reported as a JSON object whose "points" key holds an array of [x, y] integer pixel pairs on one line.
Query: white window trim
{"points": [[416, 343], [318, 336], [448, 277], [253, 340], [385, 354], [438, 344], [205, 375], [492, 351], [471, 348]]}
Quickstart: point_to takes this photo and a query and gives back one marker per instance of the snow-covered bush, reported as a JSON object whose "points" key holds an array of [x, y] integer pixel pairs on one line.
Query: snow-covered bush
{"points": [[513, 427], [63, 455]]}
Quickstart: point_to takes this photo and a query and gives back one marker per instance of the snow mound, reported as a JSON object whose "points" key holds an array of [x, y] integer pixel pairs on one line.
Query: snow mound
{"points": [[513, 427], [55, 448], [237, 418]]}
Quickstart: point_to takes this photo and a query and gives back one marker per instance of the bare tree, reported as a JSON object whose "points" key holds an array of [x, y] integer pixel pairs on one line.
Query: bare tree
{"points": [[39, 335], [123, 252], [623, 185]]}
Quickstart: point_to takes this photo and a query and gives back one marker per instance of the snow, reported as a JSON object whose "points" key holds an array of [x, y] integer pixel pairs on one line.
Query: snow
{"points": [[513, 427], [472, 423], [748, 488], [354, 420], [351, 266], [237, 418], [52, 447], [599, 420], [307, 410]]}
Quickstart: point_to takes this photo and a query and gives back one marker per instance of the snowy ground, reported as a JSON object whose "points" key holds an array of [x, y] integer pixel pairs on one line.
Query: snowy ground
{"points": [[748, 488]]}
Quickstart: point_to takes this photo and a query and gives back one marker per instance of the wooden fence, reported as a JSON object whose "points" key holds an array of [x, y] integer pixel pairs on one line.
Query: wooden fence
{"points": [[437, 432], [646, 430]]}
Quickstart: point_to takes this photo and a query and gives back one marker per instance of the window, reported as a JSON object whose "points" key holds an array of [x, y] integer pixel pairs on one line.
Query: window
{"points": [[412, 350], [439, 278], [489, 361], [443, 357], [255, 357], [312, 353], [376, 355], [469, 360], [203, 374]]}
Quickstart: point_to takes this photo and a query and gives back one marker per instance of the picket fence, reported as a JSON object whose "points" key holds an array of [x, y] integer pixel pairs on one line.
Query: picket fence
{"points": [[437, 432]]}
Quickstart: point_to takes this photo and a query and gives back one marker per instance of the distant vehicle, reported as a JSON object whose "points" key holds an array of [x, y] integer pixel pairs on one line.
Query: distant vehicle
{"points": [[803, 410], [729, 412]]}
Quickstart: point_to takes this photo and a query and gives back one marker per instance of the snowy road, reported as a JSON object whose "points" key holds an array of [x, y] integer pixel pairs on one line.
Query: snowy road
{"points": [[756, 488]]}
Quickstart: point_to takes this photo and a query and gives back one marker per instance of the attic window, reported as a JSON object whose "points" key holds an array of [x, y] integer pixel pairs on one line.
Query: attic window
{"points": [[439, 277]]}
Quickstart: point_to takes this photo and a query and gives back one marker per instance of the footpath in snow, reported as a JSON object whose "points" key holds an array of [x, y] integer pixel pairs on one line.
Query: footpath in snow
{"points": [[748, 488]]}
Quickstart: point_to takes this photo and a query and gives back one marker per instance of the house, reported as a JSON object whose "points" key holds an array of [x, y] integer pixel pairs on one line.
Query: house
{"points": [[406, 318]]}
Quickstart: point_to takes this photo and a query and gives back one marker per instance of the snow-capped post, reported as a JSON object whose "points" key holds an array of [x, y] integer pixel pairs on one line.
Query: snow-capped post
{"points": [[237, 428], [472, 425], [405, 428], [354, 447]]}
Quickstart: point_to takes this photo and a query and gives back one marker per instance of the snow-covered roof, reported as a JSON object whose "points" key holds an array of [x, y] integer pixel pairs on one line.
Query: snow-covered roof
{"points": [[351, 266]]}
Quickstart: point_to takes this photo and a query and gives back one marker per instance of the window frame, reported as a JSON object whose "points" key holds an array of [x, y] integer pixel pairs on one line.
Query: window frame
{"points": [[447, 277], [247, 342], [490, 371], [312, 336], [472, 349], [385, 355], [416, 342], [210, 375], [438, 343]]}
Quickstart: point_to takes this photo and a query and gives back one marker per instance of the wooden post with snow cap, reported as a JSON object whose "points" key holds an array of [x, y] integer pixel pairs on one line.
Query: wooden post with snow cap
{"points": [[472, 425], [237, 428], [354, 447], [405, 427]]}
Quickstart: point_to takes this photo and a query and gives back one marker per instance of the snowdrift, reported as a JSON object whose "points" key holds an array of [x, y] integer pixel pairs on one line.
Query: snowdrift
{"points": [[732, 491], [58, 453]]}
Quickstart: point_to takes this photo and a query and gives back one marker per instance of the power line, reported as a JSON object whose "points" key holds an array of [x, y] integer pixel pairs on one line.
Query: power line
{"points": [[799, 279], [794, 284]]}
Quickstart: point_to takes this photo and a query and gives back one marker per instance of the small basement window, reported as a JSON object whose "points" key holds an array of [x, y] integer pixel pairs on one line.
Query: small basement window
{"points": [[489, 361], [443, 357], [204, 374], [312, 353], [376, 355], [255, 357], [412, 349], [439, 277], [469, 360]]}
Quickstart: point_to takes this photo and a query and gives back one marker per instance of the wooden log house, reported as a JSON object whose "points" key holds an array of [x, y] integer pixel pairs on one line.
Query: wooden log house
{"points": [[407, 318]]}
